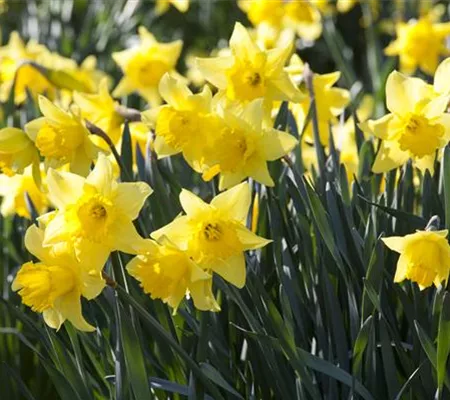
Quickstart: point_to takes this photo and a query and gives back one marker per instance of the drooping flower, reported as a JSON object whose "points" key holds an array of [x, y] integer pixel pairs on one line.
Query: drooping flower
{"points": [[17, 151], [424, 257], [214, 234], [185, 124], [143, 66], [250, 73], [54, 285], [243, 146], [419, 44], [169, 274], [96, 210], [416, 127], [162, 6], [14, 189], [330, 102], [100, 109], [61, 138]]}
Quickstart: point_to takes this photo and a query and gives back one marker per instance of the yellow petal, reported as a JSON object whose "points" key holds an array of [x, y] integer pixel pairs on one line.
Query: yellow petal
{"points": [[81, 162], [403, 93], [202, 295], [53, 112], [53, 318], [123, 236], [34, 239], [402, 267], [178, 231], [441, 77], [241, 44], [259, 171], [277, 144], [249, 240], [389, 157], [124, 87], [235, 202], [232, 269], [57, 231], [69, 306], [32, 128], [13, 140], [192, 204], [425, 163], [213, 69], [130, 197], [102, 176], [229, 179], [436, 107], [64, 188], [162, 149], [173, 91], [396, 243]]}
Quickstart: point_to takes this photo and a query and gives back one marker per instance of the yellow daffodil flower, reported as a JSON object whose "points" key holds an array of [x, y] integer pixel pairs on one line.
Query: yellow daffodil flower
{"points": [[14, 189], [162, 6], [54, 285], [419, 44], [61, 138], [250, 73], [243, 146], [13, 67], [214, 234], [416, 127], [144, 66], [184, 124], [100, 109], [96, 209], [167, 273], [17, 151], [330, 102], [424, 257]]}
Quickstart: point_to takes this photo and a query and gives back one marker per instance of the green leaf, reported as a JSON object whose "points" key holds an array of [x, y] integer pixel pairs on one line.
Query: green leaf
{"points": [[443, 342]]}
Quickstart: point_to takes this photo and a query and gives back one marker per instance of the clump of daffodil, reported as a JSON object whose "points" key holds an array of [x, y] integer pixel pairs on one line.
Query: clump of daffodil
{"points": [[96, 211], [214, 234], [249, 72], [419, 43], [416, 128], [330, 101], [54, 285], [168, 273], [243, 144], [17, 151], [424, 257], [162, 6], [14, 189], [101, 110], [14, 70], [185, 124], [61, 138], [143, 66]]}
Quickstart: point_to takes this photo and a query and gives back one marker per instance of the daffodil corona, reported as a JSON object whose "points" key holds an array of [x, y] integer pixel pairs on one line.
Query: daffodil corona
{"points": [[424, 257]]}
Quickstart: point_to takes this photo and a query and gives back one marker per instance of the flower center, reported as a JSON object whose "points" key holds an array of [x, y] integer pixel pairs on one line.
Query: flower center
{"points": [[214, 239], [92, 216], [56, 142], [146, 70], [40, 285], [420, 137], [178, 128], [246, 80]]}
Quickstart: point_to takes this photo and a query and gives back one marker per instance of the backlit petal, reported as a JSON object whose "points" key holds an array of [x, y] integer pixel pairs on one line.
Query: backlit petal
{"points": [[64, 188], [235, 202]]}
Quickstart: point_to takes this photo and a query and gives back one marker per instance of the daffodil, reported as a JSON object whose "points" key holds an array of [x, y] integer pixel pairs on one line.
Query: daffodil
{"points": [[305, 18], [424, 257], [185, 124], [214, 234], [100, 109], [243, 145], [270, 12], [54, 285], [96, 210], [419, 44], [162, 6], [250, 73], [143, 66], [416, 127], [14, 189], [330, 102], [169, 274], [61, 138], [14, 70], [17, 151]]}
